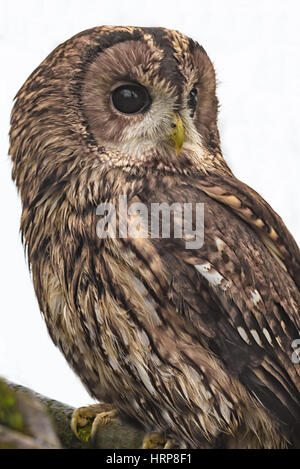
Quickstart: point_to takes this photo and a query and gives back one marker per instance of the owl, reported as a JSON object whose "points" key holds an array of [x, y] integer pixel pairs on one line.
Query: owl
{"points": [[190, 335]]}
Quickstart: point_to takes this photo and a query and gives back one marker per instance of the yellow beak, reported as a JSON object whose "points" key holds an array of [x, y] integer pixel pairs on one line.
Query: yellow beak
{"points": [[177, 133]]}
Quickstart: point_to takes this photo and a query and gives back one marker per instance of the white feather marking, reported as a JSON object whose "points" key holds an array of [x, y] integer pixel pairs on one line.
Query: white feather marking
{"points": [[256, 336], [255, 297], [212, 276], [243, 334], [267, 335], [220, 244]]}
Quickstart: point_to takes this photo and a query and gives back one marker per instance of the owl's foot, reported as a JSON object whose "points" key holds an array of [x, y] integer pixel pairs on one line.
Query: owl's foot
{"points": [[88, 421], [157, 440]]}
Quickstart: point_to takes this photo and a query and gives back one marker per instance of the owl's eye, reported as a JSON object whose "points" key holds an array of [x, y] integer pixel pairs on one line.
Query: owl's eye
{"points": [[192, 101], [130, 98]]}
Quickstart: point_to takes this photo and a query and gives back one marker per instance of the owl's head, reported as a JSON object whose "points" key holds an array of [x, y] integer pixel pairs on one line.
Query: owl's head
{"points": [[122, 96], [150, 93]]}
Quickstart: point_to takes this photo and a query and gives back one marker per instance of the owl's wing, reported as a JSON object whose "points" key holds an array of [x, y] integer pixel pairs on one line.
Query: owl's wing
{"points": [[251, 207], [241, 289]]}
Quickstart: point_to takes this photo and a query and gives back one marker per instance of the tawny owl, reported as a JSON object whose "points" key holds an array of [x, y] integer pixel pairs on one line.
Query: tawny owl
{"points": [[191, 340]]}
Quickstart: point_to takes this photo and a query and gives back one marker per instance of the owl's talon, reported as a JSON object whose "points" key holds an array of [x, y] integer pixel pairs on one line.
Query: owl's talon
{"points": [[102, 419], [86, 421], [171, 444], [154, 440]]}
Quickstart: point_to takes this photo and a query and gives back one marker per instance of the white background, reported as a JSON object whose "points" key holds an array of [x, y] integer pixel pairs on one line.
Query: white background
{"points": [[255, 46]]}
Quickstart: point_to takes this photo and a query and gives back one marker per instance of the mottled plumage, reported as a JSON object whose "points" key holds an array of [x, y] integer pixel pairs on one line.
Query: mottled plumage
{"points": [[195, 343]]}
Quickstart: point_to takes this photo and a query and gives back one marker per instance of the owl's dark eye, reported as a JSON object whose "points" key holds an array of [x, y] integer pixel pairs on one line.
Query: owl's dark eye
{"points": [[130, 98], [192, 101]]}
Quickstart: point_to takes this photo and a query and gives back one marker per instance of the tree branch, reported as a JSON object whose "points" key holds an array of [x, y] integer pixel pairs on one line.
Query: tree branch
{"points": [[30, 420]]}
